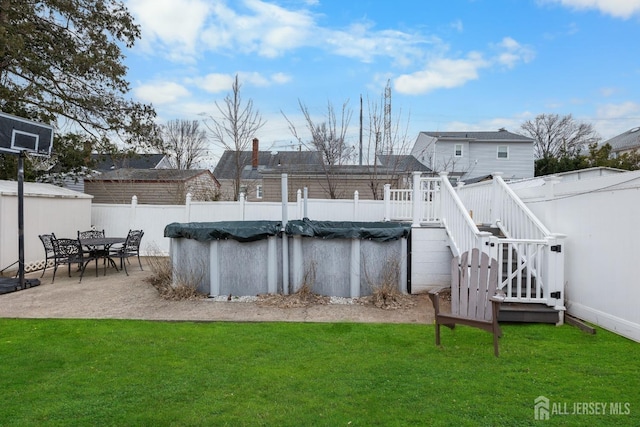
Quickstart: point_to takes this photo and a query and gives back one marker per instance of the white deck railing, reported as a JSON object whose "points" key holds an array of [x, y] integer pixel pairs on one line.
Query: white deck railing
{"points": [[533, 270], [463, 233], [399, 204], [495, 203]]}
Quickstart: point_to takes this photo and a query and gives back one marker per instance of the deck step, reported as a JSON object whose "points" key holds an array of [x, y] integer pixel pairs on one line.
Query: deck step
{"points": [[528, 313]]}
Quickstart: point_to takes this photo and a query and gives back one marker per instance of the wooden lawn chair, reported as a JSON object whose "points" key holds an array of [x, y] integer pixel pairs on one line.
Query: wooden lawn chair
{"points": [[474, 283]]}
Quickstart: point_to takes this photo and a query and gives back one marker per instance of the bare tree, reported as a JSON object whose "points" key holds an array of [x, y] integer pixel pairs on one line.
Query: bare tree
{"points": [[184, 142], [235, 129], [329, 139], [558, 136]]}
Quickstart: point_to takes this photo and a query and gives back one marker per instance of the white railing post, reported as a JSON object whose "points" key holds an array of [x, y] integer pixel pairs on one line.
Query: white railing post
{"points": [[484, 242], [387, 202], [496, 200], [187, 208], [416, 199], [241, 204], [554, 273], [356, 198], [132, 215]]}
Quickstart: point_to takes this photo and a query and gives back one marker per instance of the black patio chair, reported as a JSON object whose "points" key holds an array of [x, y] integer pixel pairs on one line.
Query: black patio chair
{"points": [[70, 251], [130, 248], [49, 254]]}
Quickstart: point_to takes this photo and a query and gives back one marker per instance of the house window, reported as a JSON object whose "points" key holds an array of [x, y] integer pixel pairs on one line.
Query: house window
{"points": [[503, 151], [457, 150], [258, 191]]}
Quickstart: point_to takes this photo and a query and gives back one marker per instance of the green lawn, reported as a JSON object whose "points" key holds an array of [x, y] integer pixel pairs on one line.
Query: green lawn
{"points": [[108, 372]]}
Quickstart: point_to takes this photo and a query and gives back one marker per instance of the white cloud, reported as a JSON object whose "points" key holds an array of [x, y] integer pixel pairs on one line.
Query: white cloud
{"points": [[607, 91], [614, 119], [617, 111], [217, 83], [268, 30], [161, 92], [175, 24], [449, 73], [457, 25], [280, 78], [513, 53], [616, 8], [214, 82], [186, 28], [360, 41], [441, 73]]}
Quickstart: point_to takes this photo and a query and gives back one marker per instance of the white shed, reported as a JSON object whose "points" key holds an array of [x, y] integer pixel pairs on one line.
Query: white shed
{"points": [[47, 209]]}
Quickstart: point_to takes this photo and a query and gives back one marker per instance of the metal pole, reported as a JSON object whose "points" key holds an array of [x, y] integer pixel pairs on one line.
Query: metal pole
{"points": [[21, 218]]}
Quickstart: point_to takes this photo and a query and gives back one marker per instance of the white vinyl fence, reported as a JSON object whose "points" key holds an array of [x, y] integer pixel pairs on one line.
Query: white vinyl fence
{"points": [[600, 218]]}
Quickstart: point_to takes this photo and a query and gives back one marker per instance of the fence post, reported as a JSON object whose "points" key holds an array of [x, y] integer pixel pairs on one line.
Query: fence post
{"points": [[387, 202], [241, 204], [132, 216], [187, 208], [299, 203], [417, 199], [496, 200], [356, 201]]}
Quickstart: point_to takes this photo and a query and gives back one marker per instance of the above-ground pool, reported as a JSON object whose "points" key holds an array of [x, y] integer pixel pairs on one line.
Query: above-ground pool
{"points": [[345, 259]]}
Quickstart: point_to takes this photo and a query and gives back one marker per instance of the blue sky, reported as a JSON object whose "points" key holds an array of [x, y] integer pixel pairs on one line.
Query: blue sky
{"points": [[452, 64]]}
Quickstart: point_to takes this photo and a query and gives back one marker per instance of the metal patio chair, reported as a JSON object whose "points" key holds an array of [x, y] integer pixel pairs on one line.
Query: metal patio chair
{"points": [[49, 254], [70, 251], [130, 249]]}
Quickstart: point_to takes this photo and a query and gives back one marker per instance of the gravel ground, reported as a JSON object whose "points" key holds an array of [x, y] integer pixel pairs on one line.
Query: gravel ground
{"points": [[117, 296]]}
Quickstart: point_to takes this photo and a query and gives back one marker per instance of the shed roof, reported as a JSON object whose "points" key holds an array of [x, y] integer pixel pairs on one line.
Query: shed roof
{"points": [[139, 175], [106, 162], [38, 189], [402, 163]]}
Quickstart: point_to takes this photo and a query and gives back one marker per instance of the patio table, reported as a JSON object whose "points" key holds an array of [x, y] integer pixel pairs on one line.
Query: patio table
{"points": [[104, 243]]}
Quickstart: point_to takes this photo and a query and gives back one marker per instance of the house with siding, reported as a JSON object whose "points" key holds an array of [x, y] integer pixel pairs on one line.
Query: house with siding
{"points": [[252, 164], [473, 154], [342, 181], [101, 163], [152, 186]]}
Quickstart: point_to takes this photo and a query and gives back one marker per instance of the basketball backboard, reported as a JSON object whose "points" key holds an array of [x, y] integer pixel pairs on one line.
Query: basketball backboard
{"points": [[18, 134]]}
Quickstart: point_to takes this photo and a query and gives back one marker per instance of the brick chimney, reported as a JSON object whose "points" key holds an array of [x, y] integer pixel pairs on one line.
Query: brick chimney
{"points": [[254, 154]]}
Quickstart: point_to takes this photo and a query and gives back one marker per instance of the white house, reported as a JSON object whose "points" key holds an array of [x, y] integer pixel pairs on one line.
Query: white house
{"points": [[468, 155]]}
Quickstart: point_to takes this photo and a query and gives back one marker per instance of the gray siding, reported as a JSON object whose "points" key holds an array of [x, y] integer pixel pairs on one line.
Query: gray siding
{"points": [[317, 186], [150, 192], [483, 159], [479, 158]]}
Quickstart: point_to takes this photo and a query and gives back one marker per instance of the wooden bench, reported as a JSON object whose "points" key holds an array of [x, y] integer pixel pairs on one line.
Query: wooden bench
{"points": [[474, 283]]}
